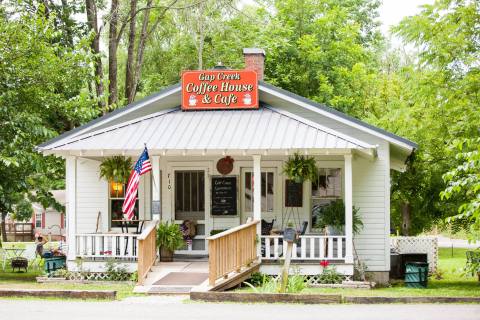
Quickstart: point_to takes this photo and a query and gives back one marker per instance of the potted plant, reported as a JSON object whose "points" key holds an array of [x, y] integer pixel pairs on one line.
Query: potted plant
{"points": [[300, 168], [116, 169], [169, 239], [332, 217]]}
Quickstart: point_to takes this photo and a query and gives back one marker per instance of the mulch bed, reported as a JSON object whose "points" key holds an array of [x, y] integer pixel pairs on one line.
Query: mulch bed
{"points": [[76, 294], [212, 296]]}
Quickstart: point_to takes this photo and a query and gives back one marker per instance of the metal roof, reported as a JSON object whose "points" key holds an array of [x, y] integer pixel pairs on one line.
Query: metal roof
{"points": [[333, 112], [168, 95], [264, 129]]}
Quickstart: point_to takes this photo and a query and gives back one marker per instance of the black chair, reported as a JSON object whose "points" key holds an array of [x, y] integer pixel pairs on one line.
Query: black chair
{"points": [[304, 228], [267, 227]]}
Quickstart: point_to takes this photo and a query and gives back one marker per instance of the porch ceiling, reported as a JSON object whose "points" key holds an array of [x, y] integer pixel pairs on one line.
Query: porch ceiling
{"points": [[173, 131]]}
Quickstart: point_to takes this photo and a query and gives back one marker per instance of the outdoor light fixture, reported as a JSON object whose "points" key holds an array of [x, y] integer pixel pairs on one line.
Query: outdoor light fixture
{"points": [[116, 189]]}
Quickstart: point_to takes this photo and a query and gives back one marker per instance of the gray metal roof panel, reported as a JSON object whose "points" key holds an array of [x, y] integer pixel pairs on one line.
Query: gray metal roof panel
{"points": [[108, 115], [224, 130], [338, 113]]}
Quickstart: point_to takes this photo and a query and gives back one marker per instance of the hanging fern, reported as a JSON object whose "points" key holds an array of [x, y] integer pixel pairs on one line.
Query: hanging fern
{"points": [[300, 168], [116, 169]]}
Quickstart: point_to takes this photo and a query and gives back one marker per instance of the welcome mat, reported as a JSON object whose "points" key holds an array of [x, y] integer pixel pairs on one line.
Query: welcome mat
{"points": [[183, 279]]}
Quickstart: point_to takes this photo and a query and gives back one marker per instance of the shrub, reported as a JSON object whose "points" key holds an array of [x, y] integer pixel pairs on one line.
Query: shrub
{"points": [[116, 271], [330, 275]]}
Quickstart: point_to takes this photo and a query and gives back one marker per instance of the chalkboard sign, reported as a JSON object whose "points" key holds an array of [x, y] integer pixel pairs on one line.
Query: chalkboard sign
{"points": [[224, 196], [293, 194]]}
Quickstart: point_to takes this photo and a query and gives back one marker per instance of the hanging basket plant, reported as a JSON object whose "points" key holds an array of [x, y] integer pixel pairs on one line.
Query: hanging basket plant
{"points": [[116, 169], [300, 168]]}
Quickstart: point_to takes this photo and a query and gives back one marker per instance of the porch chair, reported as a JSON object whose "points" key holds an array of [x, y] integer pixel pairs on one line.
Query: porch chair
{"points": [[266, 229]]}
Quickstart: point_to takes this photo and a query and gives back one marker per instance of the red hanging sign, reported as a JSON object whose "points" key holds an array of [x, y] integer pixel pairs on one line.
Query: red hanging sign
{"points": [[219, 89]]}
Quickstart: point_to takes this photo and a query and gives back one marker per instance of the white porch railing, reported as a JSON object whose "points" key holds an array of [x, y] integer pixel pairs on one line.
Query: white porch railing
{"points": [[105, 245], [309, 247]]}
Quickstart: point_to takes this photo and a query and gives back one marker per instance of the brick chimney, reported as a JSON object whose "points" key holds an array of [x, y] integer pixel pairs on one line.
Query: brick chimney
{"points": [[255, 60]]}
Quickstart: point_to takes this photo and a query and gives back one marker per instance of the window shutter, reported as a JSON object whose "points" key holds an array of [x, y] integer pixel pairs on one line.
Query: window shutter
{"points": [[43, 220], [62, 221]]}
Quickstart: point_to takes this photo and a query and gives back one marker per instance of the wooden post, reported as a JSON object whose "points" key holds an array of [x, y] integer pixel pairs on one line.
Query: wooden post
{"points": [[156, 188], [71, 196], [348, 210], [286, 267], [257, 199]]}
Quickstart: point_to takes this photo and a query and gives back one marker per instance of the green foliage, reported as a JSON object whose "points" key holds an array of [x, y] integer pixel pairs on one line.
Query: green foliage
{"points": [[169, 236], [42, 94], [334, 215], [431, 98], [325, 50], [300, 168], [267, 284], [463, 181], [116, 271], [257, 278], [330, 275], [23, 211], [116, 169]]}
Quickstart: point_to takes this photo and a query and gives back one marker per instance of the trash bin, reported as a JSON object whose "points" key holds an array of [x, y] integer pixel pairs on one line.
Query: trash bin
{"points": [[416, 274]]}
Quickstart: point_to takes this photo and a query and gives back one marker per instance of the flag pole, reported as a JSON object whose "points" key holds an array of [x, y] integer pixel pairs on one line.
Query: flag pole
{"points": [[154, 184]]}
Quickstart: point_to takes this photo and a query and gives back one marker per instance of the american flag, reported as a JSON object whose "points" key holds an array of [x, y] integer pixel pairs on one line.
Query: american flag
{"points": [[142, 166]]}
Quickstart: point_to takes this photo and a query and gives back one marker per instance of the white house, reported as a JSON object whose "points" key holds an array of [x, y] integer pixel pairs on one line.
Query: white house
{"points": [[49, 221], [258, 127]]}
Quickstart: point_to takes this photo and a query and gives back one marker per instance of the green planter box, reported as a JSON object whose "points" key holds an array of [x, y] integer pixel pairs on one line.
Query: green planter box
{"points": [[416, 274], [54, 263]]}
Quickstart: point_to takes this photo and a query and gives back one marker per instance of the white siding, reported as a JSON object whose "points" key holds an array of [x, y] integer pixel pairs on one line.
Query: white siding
{"points": [[371, 193], [92, 197]]}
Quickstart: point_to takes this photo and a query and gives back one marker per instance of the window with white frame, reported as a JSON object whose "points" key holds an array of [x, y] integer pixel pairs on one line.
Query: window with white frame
{"points": [[190, 195], [326, 189], [116, 196], [38, 220], [267, 191]]}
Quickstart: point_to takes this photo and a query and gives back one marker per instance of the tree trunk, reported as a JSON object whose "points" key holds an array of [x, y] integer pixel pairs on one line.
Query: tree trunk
{"points": [[130, 72], [3, 228], [201, 36], [112, 54], [406, 208], [95, 47], [141, 48]]}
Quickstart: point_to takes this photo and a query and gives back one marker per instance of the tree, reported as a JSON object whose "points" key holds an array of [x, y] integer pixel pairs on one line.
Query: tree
{"points": [[463, 182], [42, 93], [92, 20], [432, 98], [325, 50]]}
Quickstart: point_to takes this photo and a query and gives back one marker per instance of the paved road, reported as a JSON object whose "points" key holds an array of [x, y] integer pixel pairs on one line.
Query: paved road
{"points": [[175, 308]]}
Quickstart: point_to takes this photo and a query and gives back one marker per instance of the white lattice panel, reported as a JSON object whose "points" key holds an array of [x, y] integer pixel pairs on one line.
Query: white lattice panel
{"points": [[428, 245]]}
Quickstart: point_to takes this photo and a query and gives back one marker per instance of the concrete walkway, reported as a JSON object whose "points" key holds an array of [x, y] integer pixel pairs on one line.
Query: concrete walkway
{"points": [[162, 269], [174, 307]]}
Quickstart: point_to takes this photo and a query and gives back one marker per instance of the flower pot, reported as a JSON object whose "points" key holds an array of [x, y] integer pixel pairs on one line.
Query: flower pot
{"points": [[166, 255]]}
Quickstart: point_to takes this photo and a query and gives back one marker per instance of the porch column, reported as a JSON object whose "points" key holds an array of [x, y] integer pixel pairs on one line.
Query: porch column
{"points": [[70, 205], [155, 188], [348, 210], [257, 197]]}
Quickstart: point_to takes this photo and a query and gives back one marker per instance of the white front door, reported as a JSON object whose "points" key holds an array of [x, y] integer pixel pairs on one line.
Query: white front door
{"points": [[191, 201]]}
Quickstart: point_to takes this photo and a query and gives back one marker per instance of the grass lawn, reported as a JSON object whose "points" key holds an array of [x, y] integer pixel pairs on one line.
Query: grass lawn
{"points": [[453, 284], [22, 280]]}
